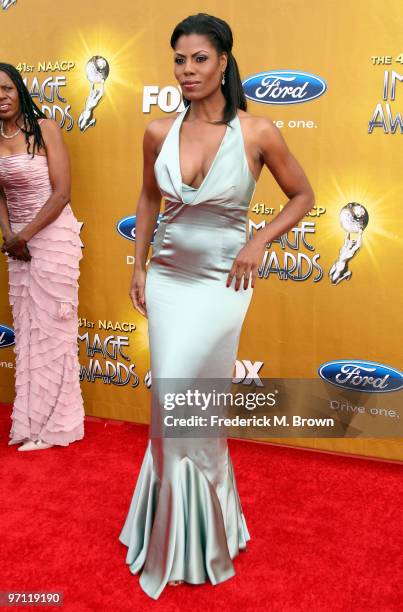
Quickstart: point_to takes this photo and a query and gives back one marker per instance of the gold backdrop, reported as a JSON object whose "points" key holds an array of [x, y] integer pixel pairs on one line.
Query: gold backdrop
{"points": [[296, 322]]}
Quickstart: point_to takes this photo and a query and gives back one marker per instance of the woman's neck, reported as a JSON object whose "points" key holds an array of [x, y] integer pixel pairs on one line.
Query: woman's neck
{"points": [[207, 110], [10, 125]]}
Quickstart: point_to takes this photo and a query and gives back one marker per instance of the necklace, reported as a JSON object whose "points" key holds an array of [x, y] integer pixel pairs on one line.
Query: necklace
{"points": [[6, 135]]}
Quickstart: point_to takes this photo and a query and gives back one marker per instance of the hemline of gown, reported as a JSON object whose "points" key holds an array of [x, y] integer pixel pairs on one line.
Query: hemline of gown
{"points": [[196, 551]]}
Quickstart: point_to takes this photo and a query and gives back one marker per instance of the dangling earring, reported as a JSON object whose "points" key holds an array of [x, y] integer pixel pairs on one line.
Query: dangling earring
{"points": [[223, 78]]}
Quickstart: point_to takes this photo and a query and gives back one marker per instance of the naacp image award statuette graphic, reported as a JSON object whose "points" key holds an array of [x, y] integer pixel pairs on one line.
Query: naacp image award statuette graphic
{"points": [[5, 4], [353, 219], [97, 71]]}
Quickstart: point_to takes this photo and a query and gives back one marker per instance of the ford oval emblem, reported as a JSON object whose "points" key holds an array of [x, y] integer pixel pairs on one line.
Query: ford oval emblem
{"points": [[363, 376], [7, 337], [283, 87], [127, 227]]}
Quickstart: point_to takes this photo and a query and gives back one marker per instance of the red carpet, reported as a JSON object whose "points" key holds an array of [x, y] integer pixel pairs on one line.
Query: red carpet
{"points": [[326, 530]]}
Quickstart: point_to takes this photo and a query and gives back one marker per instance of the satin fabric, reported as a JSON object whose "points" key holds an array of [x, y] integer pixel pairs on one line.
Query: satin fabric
{"points": [[185, 520], [44, 297]]}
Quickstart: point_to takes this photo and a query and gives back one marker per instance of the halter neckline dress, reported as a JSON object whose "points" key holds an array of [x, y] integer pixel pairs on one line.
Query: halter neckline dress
{"points": [[185, 521]]}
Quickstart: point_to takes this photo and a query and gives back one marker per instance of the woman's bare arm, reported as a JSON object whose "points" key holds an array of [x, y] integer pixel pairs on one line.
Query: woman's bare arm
{"points": [[149, 202], [274, 153], [59, 175], [7, 232], [4, 219], [148, 208], [290, 177]]}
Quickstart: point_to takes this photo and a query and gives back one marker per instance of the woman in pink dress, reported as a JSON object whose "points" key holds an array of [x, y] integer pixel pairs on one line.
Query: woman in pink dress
{"points": [[41, 239]]}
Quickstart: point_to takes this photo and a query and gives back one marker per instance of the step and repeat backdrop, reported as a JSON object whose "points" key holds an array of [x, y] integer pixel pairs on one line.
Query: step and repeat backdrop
{"points": [[325, 319]]}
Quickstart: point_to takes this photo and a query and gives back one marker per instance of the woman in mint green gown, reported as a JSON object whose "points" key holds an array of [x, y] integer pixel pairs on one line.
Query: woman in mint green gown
{"points": [[185, 522]]}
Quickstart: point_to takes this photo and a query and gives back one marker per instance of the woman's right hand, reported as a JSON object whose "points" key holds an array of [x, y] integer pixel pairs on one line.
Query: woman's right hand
{"points": [[137, 290], [15, 247]]}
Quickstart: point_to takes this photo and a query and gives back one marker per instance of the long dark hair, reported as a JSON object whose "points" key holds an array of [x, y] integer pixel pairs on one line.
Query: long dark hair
{"points": [[29, 110], [220, 35]]}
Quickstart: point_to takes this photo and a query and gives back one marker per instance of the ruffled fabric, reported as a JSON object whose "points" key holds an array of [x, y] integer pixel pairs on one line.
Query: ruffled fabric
{"points": [[44, 300], [183, 527]]}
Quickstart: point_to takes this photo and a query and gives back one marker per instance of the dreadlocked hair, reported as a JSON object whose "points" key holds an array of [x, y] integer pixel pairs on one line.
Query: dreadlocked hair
{"points": [[29, 111]]}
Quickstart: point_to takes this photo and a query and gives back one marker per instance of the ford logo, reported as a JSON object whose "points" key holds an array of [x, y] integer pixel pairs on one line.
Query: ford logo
{"points": [[127, 227], [6, 336], [357, 375], [283, 87]]}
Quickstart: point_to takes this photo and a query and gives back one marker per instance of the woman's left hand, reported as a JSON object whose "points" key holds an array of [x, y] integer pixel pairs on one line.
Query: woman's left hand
{"points": [[16, 247], [246, 264]]}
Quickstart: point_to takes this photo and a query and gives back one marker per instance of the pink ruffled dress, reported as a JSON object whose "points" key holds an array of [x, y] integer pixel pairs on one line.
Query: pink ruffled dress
{"points": [[44, 298]]}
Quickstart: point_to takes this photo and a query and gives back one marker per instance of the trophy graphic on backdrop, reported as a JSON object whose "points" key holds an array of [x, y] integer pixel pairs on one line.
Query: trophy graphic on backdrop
{"points": [[353, 219], [97, 71], [5, 4]]}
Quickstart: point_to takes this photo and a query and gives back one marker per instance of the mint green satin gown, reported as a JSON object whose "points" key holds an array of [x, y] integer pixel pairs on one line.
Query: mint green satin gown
{"points": [[185, 520]]}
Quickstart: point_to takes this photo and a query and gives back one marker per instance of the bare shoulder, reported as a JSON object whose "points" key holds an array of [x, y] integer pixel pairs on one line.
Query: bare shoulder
{"points": [[157, 130], [257, 127], [49, 126], [51, 134]]}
